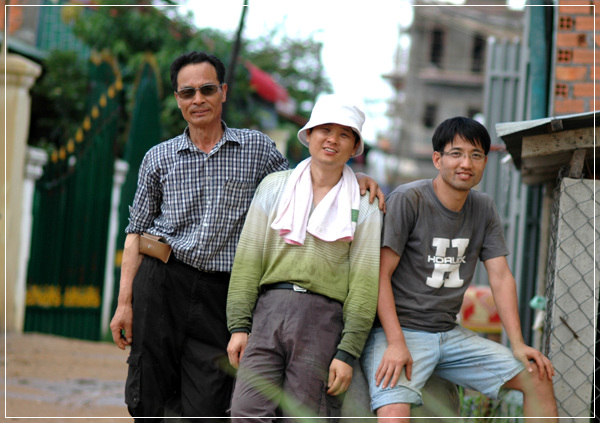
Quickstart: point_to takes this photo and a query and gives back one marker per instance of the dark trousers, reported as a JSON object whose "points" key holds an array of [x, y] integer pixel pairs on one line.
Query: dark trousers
{"points": [[178, 362], [285, 367]]}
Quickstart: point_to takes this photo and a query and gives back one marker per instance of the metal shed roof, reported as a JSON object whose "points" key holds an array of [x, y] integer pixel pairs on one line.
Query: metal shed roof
{"points": [[540, 147]]}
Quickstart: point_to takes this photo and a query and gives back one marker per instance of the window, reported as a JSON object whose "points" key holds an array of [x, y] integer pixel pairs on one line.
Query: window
{"points": [[478, 54], [429, 116], [437, 47]]}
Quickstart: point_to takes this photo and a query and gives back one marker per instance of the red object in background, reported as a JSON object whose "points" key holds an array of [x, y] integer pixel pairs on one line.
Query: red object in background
{"points": [[478, 311], [265, 86]]}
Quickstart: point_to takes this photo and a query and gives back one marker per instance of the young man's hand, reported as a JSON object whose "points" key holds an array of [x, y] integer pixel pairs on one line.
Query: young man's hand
{"points": [[236, 347], [525, 353], [340, 376], [395, 357]]}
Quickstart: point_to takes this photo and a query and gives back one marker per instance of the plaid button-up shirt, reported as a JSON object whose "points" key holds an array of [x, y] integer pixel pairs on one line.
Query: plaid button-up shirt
{"points": [[199, 201]]}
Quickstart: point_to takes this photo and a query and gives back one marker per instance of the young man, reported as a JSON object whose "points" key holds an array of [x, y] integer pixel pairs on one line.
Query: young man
{"points": [[304, 280], [434, 233], [194, 190]]}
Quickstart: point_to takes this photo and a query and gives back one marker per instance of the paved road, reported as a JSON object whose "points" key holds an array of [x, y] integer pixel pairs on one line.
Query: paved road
{"points": [[54, 377], [62, 379]]}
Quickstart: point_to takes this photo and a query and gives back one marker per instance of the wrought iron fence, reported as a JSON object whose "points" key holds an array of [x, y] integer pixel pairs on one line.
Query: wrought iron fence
{"points": [[70, 217]]}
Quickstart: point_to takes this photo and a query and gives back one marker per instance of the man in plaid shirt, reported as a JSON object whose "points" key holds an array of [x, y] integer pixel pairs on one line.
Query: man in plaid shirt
{"points": [[194, 190]]}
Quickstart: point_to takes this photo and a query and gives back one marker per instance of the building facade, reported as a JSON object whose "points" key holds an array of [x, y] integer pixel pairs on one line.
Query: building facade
{"points": [[445, 73]]}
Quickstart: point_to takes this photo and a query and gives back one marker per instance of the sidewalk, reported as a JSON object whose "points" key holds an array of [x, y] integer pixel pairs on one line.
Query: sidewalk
{"points": [[54, 377]]}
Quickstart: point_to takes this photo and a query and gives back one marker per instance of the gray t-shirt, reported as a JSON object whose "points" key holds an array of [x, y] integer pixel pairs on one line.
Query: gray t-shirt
{"points": [[438, 251]]}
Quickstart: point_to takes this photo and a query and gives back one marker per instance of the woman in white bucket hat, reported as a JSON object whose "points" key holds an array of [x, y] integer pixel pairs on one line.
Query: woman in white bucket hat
{"points": [[305, 276]]}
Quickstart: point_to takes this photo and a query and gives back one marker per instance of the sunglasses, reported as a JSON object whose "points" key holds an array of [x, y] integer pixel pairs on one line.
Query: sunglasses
{"points": [[206, 90]]}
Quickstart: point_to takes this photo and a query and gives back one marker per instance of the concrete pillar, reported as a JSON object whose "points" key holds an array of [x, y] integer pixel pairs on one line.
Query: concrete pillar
{"points": [[573, 297], [19, 75], [36, 159], [120, 172]]}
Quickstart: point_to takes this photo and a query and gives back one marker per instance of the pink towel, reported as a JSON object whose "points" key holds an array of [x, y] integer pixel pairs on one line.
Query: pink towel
{"points": [[334, 218]]}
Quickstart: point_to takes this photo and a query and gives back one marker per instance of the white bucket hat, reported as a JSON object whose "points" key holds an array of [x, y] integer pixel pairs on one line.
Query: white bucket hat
{"points": [[333, 109]]}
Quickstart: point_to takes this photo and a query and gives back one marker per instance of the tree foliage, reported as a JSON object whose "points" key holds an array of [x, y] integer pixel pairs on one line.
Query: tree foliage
{"points": [[129, 33], [295, 63], [58, 99]]}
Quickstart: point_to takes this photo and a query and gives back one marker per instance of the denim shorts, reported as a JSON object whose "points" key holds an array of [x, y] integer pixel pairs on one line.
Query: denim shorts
{"points": [[459, 355]]}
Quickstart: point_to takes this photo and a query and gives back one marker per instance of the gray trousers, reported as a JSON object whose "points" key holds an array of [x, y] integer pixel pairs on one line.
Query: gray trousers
{"points": [[285, 366]]}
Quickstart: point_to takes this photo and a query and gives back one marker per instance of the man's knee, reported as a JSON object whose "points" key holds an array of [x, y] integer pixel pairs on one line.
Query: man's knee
{"points": [[400, 411], [440, 399], [531, 382], [538, 394], [245, 407], [247, 401]]}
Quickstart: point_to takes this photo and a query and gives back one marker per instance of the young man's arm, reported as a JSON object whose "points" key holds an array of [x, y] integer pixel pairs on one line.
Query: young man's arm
{"points": [[123, 317], [397, 355], [246, 273], [360, 304], [243, 286], [504, 292], [340, 376], [236, 347]]}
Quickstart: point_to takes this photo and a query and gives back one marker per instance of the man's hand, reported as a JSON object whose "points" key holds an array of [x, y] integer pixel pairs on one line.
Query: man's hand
{"points": [[122, 321], [340, 376], [525, 353], [395, 357], [123, 318], [365, 182], [236, 347]]}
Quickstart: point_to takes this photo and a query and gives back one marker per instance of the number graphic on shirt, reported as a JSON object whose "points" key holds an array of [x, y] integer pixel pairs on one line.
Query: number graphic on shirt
{"points": [[447, 265]]}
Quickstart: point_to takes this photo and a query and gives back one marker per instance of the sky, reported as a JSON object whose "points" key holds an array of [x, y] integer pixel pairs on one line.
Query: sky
{"points": [[360, 39]]}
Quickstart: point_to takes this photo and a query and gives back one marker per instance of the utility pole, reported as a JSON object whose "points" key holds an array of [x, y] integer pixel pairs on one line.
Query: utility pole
{"points": [[229, 79]]}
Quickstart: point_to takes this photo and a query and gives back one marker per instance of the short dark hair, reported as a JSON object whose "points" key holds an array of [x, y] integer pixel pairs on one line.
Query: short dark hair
{"points": [[469, 129], [193, 57]]}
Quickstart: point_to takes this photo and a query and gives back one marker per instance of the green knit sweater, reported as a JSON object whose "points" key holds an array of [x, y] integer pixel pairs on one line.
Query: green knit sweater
{"points": [[344, 271]]}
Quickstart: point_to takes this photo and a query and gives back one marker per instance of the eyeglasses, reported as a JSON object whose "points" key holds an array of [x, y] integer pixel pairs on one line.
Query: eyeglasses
{"points": [[459, 155], [206, 90]]}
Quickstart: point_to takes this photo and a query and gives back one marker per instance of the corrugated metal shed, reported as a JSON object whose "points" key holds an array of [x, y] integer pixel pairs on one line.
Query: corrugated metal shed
{"points": [[541, 147]]}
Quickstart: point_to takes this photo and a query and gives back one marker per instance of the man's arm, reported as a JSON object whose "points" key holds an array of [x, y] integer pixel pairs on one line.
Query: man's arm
{"points": [[504, 291], [365, 182], [247, 270], [246, 273], [122, 320], [396, 355], [360, 304], [340, 376]]}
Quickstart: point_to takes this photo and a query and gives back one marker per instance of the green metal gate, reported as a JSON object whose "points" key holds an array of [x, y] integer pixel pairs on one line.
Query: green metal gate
{"points": [[70, 218]]}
